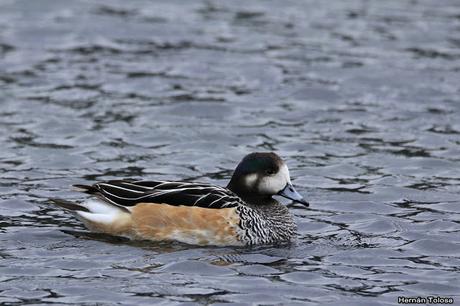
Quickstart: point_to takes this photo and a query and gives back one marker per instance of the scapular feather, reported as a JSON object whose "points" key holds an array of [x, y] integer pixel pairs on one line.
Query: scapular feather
{"points": [[130, 193]]}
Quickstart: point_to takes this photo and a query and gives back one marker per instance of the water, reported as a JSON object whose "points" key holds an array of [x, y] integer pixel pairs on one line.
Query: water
{"points": [[361, 98]]}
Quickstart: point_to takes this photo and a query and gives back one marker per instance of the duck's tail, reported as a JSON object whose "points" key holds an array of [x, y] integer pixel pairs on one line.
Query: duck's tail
{"points": [[71, 206], [99, 216]]}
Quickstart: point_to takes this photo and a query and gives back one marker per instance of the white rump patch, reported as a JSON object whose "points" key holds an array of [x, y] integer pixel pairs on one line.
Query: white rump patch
{"points": [[250, 179], [100, 212], [98, 218], [97, 206]]}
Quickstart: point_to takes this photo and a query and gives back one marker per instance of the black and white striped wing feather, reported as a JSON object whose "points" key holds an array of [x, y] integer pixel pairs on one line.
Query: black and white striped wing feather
{"points": [[130, 193]]}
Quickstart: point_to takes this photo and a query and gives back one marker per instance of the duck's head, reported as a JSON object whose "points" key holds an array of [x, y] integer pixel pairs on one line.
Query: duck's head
{"points": [[263, 175]]}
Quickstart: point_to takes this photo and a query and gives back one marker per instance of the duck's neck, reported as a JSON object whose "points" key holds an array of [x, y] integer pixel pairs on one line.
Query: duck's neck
{"points": [[237, 186], [247, 195]]}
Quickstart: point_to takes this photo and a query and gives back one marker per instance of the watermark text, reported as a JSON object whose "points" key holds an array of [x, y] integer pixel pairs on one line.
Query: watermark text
{"points": [[425, 300]]}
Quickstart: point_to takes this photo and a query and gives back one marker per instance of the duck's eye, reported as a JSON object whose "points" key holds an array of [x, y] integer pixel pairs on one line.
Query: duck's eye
{"points": [[270, 172]]}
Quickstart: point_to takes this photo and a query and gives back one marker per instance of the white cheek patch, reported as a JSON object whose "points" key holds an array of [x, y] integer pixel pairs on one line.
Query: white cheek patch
{"points": [[285, 172], [276, 183], [250, 179]]}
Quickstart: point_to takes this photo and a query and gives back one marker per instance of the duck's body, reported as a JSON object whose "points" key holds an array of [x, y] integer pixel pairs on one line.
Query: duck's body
{"points": [[244, 213]]}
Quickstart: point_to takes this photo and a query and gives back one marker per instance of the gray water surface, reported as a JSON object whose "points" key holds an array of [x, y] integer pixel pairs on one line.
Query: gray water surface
{"points": [[361, 98]]}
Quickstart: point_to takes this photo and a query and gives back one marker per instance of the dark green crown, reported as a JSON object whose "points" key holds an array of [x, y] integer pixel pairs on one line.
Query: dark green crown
{"points": [[259, 163]]}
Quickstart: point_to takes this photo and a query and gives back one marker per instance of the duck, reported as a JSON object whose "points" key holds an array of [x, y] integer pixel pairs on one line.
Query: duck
{"points": [[242, 214]]}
